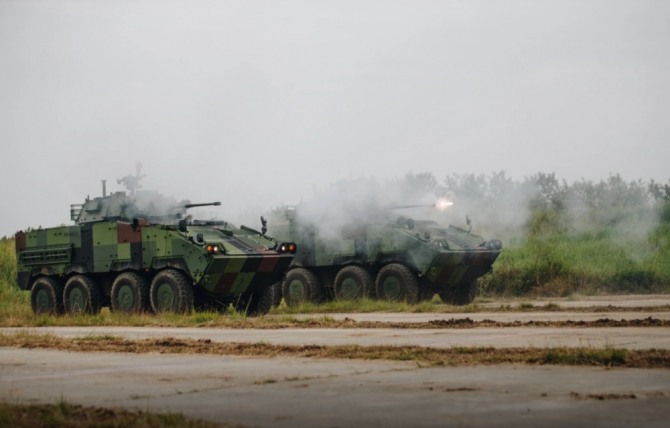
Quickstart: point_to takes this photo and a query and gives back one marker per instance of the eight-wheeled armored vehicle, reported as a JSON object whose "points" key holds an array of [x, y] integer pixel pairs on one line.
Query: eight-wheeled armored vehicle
{"points": [[393, 257], [141, 251]]}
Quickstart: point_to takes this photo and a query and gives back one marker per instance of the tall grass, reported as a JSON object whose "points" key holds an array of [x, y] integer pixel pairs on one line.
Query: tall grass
{"points": [[555, 262], [14, 304]]}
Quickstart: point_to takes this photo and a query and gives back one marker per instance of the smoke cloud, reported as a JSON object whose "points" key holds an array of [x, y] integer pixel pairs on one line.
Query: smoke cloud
{"points": [[497, 206]]}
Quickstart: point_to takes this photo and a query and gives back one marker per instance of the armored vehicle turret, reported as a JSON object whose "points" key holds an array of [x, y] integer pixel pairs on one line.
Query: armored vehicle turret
{"points": [[388, 256], [140, 251]]}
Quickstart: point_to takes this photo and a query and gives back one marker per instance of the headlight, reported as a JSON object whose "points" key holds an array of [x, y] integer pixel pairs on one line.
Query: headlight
{"points": [[287, 247], [493, 244], [441, 243], [214, 249]]}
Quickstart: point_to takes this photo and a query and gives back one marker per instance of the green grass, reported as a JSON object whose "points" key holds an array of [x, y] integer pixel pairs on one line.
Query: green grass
{"points": [[63, 414], [608, 357], [367, 305], [14, 305], [561, 265]]}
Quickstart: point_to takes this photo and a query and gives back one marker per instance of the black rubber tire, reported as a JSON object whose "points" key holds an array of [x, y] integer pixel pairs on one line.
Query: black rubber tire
{"points": [[447, 296], [260, 302], [130, 294], [425, 294], [397, 283], [82, 295], [300, 286], [466, 293], [46, 296], [171, 291], [462, 295], [203, 302], [352, 283]]}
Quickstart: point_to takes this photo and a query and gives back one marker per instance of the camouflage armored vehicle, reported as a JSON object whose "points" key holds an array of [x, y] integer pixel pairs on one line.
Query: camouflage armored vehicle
{"points": [[142, 251], [394, 258]]}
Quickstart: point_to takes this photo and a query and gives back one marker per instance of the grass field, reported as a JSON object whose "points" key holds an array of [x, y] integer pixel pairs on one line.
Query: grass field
{"points": [[555, 261], [561, 265], [547, 265]]}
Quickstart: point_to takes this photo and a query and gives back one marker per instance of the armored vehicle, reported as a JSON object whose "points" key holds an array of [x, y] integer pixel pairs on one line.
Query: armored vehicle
{"points": [[394, 258], [140, 251]]}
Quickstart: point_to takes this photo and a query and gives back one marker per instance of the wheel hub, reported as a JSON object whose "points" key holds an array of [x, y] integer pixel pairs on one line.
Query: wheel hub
{"points": [[165, 295], [77, 300], [392, 288], [126, 298], [296, 290], [43, 300], [349, 289]]}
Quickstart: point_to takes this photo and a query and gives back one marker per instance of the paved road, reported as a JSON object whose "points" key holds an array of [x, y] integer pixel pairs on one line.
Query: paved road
{"points": [[624, 301], [296, 392], [626, 337]]}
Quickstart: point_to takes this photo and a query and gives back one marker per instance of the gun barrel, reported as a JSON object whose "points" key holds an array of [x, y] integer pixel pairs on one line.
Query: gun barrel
{"points": [[441, 204], [398, 207], [206, 204]]}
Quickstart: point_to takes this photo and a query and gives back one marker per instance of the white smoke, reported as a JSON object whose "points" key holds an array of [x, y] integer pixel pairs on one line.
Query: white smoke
{"points": [[348, 203], [496, 205], [626, 213]]}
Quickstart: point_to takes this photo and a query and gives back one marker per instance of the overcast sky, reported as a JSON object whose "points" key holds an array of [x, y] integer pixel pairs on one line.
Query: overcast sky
{"points": [[255, 103]]}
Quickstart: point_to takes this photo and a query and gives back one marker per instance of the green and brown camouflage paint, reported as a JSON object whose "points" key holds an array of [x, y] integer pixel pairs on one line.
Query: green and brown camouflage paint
{"points": [[245, 262]]}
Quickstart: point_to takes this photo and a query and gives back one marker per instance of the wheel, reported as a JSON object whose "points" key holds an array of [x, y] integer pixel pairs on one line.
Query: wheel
{"points": [[396, 282], [425, 294], [46, 296], [301, 286], [352, 283], [81, 296], [447, 296], [171, 291], [426, 290], [464, 294], [130, 293], [203, 302], [260, 302]]}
